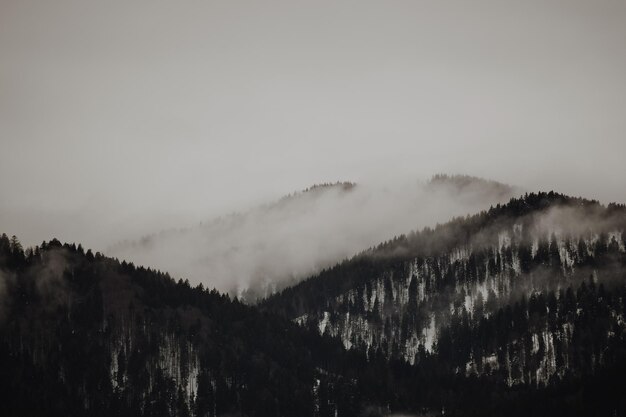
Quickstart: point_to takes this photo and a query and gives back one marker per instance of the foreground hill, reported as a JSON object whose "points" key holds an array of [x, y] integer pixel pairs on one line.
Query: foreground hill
{"points": [[529, 293], [86, 335], [256, 252], [82, 334]]}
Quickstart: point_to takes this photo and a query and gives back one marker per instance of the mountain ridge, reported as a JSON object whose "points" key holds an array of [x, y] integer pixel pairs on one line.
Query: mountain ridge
{"points": [[90, 335], [254, 253]]}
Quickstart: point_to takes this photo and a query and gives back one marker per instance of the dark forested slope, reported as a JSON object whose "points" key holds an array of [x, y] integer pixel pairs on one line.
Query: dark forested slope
{"points": [[518, 310], [530, 293], [82, 334]]}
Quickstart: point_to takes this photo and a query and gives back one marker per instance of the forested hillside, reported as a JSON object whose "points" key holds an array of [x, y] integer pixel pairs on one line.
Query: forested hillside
{"points": [[504, 312], [527, 292], [82, 334]]}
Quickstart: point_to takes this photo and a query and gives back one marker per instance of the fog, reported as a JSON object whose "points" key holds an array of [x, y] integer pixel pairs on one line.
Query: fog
{"points": [[277, 244], [119, 119]]}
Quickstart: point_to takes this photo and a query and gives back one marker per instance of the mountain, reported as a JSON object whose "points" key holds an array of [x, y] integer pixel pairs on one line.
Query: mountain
{"points": [[518, 311], [86, 335], [526, 292], [255, 253], [82, 334]]}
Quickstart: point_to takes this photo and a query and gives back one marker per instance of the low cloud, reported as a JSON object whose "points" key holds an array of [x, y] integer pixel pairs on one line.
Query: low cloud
{"points": [[272, 246]]}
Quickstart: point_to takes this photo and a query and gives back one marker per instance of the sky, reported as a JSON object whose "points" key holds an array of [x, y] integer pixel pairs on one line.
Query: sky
{"points": [[119, 118]]}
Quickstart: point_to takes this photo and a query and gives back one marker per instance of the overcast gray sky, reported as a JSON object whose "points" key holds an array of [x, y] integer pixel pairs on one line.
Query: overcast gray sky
{"points": [[135, 112]]}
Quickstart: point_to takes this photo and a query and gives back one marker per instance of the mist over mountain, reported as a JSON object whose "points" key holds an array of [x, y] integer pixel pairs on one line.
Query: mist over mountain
{"points": [[251, 254], [518, 310], [526, 292]]}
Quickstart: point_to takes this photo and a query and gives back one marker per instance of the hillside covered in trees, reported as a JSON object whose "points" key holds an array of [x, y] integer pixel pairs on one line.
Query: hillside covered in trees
{"points": [[530, 293], [504, 312]]}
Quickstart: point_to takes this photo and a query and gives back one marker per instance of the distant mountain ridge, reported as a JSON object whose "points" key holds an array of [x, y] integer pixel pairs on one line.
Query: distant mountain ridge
{"points": [[254, 253]]}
